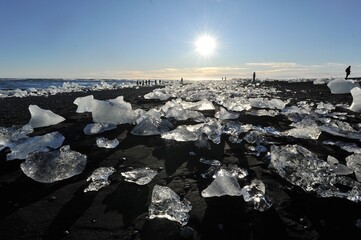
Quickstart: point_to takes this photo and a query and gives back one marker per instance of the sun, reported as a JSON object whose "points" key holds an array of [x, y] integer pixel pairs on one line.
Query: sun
{"points": [[205, 45]]}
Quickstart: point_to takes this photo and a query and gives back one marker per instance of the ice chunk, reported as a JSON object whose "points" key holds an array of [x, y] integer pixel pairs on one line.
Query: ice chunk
{"points": [[157, 94], [48, 167], [349, 147], [199, 106], [43, 118], [8, 136], [354, 162], [255, 193], [95, 128], [237, 104], [254, 137], [213, 129], [140, 176], [263, 112], [311, 132], [224, 184], [341, 86], [265, 103], [340, 128], [181, 114], [106, 143], [302, 168], [356, 101], [237, 172], [184, 133], [43, 143], [224, 114], [235, 128], [338, 168], [167, 204], [152, 126], [115, 111], [210, 162], [84, 104], [99, 178]]}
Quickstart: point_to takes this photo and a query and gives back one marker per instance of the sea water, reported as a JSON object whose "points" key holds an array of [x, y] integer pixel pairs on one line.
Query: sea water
{"points": [[10, 87]]}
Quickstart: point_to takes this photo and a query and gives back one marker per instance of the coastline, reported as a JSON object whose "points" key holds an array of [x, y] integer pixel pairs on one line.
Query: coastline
{"points": [[61, 210]]}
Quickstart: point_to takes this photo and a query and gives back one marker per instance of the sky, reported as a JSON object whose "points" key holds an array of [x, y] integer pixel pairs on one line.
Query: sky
{"points": [[156, 39]]}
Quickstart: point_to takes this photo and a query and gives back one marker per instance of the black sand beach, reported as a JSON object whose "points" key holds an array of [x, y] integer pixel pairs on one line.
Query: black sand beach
{"points": [[61, 210]]}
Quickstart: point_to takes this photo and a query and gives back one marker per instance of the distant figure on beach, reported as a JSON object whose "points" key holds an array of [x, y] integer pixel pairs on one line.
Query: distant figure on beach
{"points": [[348, 71], [254, 78], [182, 81]]}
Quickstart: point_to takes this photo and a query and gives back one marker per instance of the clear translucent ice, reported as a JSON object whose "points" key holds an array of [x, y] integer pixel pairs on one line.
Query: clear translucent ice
{"points": [[99, 178], [9, 136], [223, 184], [140, 176], [303, 168], [166, 203], [43, 143], [95, 128], [48, 167], [106, 143]]}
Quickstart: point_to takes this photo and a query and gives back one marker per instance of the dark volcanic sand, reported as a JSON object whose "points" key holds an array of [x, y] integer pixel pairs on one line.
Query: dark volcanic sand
{"points": [[32, 210]]}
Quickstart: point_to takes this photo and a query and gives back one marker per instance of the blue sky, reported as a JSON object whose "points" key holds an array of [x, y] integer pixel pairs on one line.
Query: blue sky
{"points": [[136, 39]]}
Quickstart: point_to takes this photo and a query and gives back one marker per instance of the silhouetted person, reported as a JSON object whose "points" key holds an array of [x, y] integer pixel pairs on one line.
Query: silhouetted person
{"points": [[254, 78], [182, 81], [348, 71]]}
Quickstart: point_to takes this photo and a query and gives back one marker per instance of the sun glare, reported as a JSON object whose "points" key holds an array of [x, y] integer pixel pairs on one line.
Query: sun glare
{"points": [[205, 45]]}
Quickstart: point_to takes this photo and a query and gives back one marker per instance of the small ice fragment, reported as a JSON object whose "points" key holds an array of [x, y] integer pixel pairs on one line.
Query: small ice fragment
{"points": [[237, 171], [140, 176], [42, 118], [338, 168], [167, 204], [48, 167], [8, 136], [106, 143], [265, 103], [210, 162], [354, 162], [311, 132], [84, 104], [224, 184], [255, 192], [151, 126], [44, 143], [99, 178], [349, 147], [184, 133], [224, 114], [95, 128], [157, 94], [340, 128]]}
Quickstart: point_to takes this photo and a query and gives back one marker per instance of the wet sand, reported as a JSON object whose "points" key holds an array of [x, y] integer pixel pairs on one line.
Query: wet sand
{"points": [[61, 210]]}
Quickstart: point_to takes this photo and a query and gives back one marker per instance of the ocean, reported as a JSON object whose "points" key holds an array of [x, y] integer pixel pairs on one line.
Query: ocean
{"points": [[31, 87]]}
